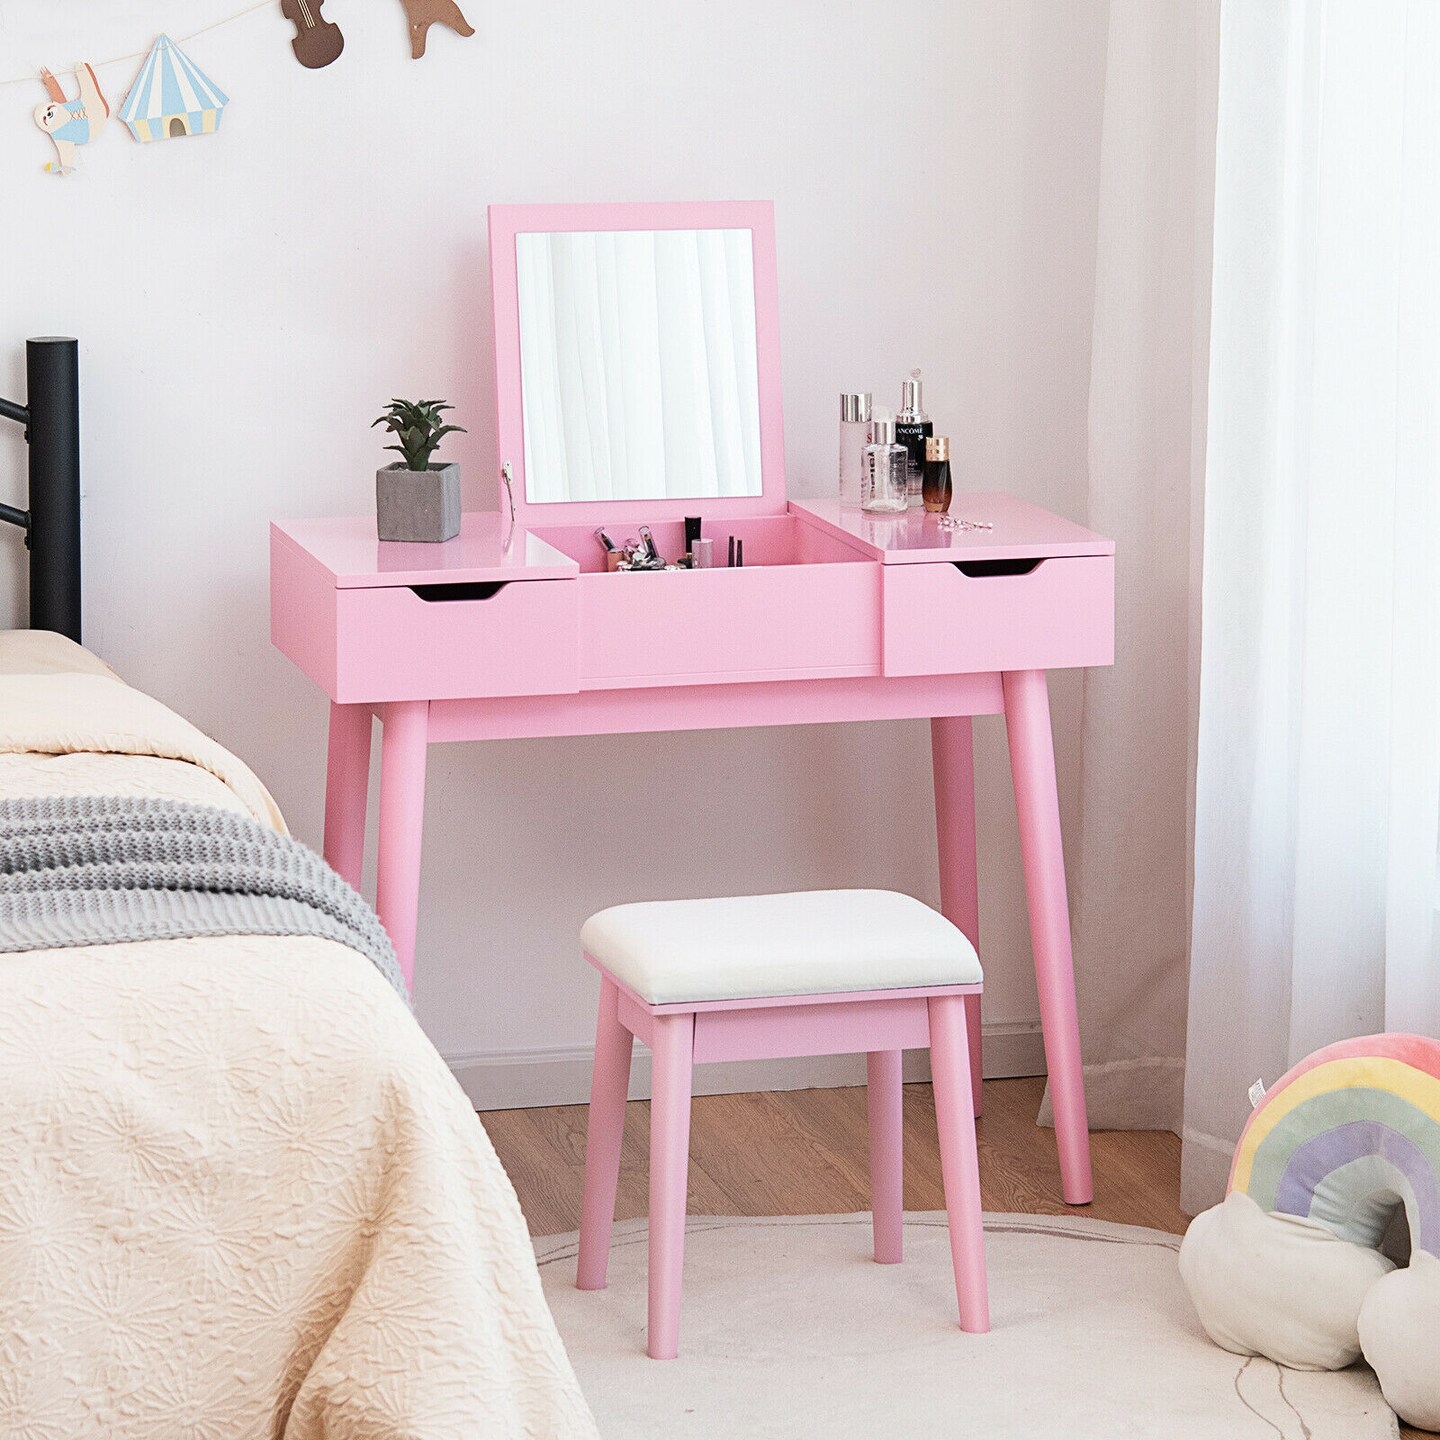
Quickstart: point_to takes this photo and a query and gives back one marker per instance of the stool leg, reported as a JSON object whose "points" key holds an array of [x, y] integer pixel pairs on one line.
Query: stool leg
{"points": [[604, 1131], [886, 1101], [673, 1051], [959, 1160]]}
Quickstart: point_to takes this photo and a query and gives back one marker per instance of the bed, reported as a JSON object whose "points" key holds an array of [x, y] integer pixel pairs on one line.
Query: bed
{"points": [[240, 1193]]}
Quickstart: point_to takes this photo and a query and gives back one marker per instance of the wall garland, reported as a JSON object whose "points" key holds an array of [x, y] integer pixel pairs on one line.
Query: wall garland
{"points": [[171, 96]]}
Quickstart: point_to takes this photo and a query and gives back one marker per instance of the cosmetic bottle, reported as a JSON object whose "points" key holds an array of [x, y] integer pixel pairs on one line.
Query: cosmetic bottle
{"points": [[912, 430], [937, 487], [854, 437], [884, 486]]}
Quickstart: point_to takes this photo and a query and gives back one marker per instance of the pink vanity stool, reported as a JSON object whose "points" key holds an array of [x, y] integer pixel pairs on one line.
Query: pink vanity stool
{"points": [[825, 972]]}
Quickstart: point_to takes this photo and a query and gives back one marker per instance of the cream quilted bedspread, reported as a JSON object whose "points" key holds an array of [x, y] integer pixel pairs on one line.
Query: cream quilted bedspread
{"points": [[240, 1193]]}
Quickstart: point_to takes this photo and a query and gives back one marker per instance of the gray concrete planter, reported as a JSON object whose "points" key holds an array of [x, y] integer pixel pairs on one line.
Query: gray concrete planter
{"points": [[417, 504]]}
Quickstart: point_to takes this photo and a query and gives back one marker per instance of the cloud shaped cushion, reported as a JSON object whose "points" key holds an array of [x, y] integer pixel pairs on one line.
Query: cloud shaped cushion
{"points": [[1399, 1323], [1281, 1286]]}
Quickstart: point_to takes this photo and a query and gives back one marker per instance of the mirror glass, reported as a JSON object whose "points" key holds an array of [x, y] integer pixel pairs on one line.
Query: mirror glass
{"points": [[637, 364]]}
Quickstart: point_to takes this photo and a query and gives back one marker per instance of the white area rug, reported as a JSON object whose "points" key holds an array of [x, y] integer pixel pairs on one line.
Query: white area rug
{"points": [[789, 1329]]}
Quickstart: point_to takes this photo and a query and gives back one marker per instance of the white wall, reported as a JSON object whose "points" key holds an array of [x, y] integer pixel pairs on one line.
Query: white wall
{"points": [[247, 302]]}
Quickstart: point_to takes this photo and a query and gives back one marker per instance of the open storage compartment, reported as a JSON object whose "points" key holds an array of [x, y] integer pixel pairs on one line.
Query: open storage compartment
{"points": [[803, 605]]}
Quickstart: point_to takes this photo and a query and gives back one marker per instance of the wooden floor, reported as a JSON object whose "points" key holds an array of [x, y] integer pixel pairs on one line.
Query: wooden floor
{"points": [[803, 1152]]}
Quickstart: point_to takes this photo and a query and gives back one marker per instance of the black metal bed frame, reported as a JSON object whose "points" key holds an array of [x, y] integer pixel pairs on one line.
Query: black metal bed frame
{"points": [[51, 418]]}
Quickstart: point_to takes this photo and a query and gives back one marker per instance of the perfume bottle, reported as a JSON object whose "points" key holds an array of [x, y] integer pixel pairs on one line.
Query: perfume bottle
{"points": [[937, 489], [912, 430], [884, 485], [854, 437]]}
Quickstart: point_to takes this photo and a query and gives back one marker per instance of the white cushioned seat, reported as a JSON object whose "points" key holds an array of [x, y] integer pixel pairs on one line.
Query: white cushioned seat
{"points": [[813, 942]]}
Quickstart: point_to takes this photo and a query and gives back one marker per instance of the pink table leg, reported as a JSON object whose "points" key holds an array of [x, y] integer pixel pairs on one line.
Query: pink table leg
{"points": [[402, 817], [886, 1099], [952, 754], [673, 1048], [959, 1159], [1032, 764], [604, 1133], [347, 786]]}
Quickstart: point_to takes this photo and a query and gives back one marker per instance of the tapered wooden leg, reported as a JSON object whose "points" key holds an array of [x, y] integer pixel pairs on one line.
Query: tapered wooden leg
{"points": [[1032, 763], [402, 818], [347, 786], [604, 1132], [886, 1099], [673, 1051], [959, 1160], [952, 752]]}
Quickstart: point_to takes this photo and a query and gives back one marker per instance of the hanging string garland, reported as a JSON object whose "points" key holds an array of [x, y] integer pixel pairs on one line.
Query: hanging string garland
{"points": [[420, 15], [171, 96], [141, 54]]}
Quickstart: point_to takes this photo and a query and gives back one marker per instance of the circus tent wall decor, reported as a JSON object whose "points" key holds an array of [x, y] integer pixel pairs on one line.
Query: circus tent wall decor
{"points": [[172, 97]]}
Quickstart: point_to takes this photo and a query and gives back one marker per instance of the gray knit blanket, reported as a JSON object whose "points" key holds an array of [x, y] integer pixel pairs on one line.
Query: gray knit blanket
{"points": [[106, 869]]}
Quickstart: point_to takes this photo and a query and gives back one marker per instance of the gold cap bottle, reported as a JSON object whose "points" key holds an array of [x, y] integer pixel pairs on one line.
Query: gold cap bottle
{"points": [[936, 488]]}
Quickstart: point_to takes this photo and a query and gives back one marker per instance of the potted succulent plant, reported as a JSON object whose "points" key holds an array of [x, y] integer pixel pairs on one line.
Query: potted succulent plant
{"points": [[414, 499]]}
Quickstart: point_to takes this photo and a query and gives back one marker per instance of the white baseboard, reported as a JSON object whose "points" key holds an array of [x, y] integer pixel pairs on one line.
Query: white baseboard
{"points": [[521, 1079]]}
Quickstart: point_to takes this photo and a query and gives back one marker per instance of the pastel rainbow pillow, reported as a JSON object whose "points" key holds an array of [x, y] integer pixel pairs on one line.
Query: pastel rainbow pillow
{"points": [[1288, 1266], [1346, 1136]]}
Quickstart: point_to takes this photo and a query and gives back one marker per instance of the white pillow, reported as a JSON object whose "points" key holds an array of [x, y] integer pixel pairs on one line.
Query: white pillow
{"points": [[1399, 1322], [1277, 1285]]}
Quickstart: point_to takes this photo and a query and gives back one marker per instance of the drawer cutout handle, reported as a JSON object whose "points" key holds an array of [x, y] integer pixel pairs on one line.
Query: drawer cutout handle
{"points": [[464, 590], [980, 569]]}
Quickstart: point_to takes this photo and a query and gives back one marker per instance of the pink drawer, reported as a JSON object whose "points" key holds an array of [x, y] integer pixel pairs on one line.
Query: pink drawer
{"points": [[941, 620], [452, 642]]}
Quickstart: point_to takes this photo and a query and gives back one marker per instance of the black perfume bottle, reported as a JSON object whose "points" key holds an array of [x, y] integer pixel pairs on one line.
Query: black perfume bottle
{"points": [[937, 487], [912, 430]]}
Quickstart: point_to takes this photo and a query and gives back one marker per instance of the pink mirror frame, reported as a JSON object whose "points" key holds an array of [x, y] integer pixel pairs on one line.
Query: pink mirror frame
{"points": [[757, 216]]}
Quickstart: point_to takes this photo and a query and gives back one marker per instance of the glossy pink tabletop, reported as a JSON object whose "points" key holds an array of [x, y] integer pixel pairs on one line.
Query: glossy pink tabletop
{"points": [[1019, 530], [347, 549]]}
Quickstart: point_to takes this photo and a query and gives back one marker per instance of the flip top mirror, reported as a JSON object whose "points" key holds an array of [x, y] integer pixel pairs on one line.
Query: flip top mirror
{"points": [[637, 360]]}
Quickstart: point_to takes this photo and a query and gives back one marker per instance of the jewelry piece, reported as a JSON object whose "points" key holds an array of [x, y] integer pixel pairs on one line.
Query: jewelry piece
{"points": [[952, 522], [508, 528]]}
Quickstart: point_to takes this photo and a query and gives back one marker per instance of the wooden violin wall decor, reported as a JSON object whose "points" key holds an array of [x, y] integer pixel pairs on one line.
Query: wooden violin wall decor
{"points": [[317, 40], [422, 14]]}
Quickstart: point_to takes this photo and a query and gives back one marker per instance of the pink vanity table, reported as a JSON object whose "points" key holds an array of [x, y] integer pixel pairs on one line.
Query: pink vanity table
{"points": [[516, 629]]}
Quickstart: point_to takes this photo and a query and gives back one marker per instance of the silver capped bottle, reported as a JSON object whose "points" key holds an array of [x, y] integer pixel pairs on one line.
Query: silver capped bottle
{"points": [[885, 483], [854, 437], [912, 430]]}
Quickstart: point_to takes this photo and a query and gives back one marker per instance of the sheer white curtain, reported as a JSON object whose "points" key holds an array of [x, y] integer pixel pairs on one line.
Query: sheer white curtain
{"points": [[1129, 853], [1318, 770]]}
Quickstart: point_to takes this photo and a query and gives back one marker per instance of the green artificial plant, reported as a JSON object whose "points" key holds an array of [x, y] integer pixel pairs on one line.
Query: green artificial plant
{"points": [[418, 429]]}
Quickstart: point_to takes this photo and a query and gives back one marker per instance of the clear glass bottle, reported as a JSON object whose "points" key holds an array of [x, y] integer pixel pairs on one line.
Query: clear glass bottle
{"points": [[885, 483], [854, 437], [912, 430]]}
